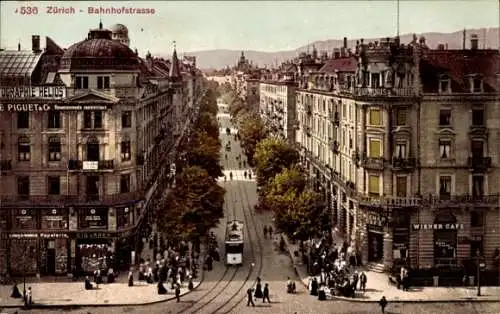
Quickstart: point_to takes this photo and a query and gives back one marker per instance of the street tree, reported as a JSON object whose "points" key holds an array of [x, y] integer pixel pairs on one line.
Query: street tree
{"points": [[272, 155], [289, 179], [251, 130], [237, 107], [204, 151], [207, 122]]}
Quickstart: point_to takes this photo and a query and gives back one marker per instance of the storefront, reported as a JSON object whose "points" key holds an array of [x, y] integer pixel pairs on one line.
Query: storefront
{"points": [[400, 234], [92, 218], [375, 230]]}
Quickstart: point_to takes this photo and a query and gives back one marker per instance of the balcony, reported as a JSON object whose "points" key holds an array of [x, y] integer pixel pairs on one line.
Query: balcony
{"points": [[479, 164], [472, 200], [334, 146], [5, 165], [88, 165], [403, 163], [373, 163], [391, 201], [308, 109], [383, 92], [69, 200]]}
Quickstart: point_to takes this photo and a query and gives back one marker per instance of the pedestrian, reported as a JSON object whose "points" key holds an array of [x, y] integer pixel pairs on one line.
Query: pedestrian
{"points": [[29, 297], [383, 303], [130, 279], [270, 231], [258, 289], [362, 281], [266, 294], [245, 174], [265, 232], [250, 297], [178, 292]]}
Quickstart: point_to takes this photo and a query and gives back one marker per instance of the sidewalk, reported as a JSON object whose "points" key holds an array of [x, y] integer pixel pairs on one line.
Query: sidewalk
{"points": [[378, 285], [63, 294]]}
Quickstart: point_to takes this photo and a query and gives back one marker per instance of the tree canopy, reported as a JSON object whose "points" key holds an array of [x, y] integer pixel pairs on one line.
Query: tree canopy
{"points": [[251, 130], [206, 122], [272, 155], [204, 151], [237, 107]]}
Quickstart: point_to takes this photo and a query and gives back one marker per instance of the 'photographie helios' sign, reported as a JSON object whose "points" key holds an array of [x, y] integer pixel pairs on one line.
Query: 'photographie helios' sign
{"points": [[33, 92]]}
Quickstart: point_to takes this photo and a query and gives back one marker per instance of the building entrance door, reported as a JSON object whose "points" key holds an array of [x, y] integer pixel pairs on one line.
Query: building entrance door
{"points": [[51, 261], [375, 246]]}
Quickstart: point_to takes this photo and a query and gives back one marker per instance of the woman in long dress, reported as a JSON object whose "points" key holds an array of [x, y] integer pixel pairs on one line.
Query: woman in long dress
{"points": [[258, 290]]}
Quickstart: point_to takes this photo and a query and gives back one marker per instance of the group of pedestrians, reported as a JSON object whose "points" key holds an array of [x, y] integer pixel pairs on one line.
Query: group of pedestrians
{"points": [[258, 292]]}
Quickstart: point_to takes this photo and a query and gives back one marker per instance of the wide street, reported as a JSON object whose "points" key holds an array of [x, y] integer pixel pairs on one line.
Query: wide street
{"points": [[221, 296]]}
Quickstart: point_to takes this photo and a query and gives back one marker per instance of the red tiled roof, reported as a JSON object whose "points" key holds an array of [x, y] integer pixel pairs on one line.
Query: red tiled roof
{"points": [[348, 64], [457, 64]]}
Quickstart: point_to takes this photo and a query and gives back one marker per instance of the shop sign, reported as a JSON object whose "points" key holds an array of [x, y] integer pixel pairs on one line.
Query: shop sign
{"points": [[54, 235], [95, 235], [375, 220], [29, 92], [36, 235], [440, 226], [399, 246]]}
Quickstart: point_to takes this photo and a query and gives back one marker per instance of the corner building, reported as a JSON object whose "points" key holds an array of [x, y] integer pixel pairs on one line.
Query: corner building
{"points": [[82, 144]]}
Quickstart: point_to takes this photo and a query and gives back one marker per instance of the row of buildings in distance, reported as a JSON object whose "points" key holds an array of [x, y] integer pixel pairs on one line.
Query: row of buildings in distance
{"points": [[404, 142], [88, 135]]}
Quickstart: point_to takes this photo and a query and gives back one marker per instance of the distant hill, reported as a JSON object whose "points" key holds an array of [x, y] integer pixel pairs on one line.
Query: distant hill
{"points": [[221, 58]]}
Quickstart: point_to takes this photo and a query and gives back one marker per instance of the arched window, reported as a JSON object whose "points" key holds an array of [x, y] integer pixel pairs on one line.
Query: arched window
{"points": [[23, 149], [54, 148]]}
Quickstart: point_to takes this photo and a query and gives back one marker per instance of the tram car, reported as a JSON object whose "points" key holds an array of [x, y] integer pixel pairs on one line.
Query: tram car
{"points": [[234, 242]]}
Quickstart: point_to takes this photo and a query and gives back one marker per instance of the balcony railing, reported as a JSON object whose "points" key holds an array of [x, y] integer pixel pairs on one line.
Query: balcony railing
{"points": [[5, 165], [65, 200], [455, 200], [373, 163], [335, 146], [90, 165], [383, 92], [391, 201], [404, 163], [479, 163]]}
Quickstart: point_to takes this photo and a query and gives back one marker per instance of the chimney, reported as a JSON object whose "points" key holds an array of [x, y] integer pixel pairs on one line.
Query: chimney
{"points": [[463, 39], [336, 53], [35, 43], [474, 42], [345, 42], [18, 46]]}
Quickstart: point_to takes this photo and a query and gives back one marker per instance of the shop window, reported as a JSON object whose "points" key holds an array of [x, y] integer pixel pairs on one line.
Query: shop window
{"points": [[476, 219], [125, 183], [401, 186], [445, 117], [93, 218], [445, 187], [55, 218], [375, 148], [123, 218], [375, 117], [54, 149], [23, 120], [444, 148], [24, 219], [478, 117], [23, 149], [125, 151], [54, 119], [103, 82], [374, 185], [445, 241], [54, 185], [477, 186], [400, 151], [81, 82], [400, 117], [23, 185], [126, 119]]}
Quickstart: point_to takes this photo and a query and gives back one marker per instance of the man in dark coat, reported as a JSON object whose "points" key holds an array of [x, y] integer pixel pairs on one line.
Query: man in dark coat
{"points": [[266, 294], [178, 292], [362, 281], [250, 297], [383, 303]]}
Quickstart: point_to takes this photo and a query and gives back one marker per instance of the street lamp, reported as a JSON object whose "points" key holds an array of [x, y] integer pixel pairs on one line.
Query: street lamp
{"points": [[479, 265]]}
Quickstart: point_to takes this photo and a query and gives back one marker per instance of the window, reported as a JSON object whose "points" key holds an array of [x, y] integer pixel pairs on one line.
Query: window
{"points": [[81, 82], [125, 183], [400, 151], [375, 149], [126, 119], [23, 120], [445, 117], [477, 85], [23, 185], [103, 82], [93, 149], [445, 187], [375, 117], [54, 149], [54, 120], [444, 85], [476, 244], [478, 117], [375, 80], [374, 185], [54, 218], [92, 187], [23, 149], [400, 117], [125, 150], [401, 186], [54, 185], [477, 186], [477, 148], [476, 219], [92, 120], [444, 149]]}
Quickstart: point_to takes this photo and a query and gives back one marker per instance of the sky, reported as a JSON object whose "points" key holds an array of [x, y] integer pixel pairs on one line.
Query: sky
{"points": [[241, 25]]}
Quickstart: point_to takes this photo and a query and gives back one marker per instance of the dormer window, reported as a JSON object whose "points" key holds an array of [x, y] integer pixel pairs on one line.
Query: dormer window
{"points": [[477, 85], [444, 84]]}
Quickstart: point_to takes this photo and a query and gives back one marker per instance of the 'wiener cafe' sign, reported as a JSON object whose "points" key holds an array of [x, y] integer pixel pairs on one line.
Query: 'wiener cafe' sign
{"points": [[440, 226], [36, 92]]}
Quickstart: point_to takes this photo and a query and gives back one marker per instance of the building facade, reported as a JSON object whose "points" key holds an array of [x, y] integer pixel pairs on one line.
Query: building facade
{"points": [[403, 140], [84, 133]]}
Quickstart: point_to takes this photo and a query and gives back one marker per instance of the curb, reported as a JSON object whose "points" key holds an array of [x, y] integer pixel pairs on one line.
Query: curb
{"points": [[358, 300]]}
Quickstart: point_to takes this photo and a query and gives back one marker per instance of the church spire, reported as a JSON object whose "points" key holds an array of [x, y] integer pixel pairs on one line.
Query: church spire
{"points": [[175, 72]]}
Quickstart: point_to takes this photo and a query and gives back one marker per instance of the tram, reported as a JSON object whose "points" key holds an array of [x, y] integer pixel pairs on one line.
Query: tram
{"points": [[234, 242]]}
